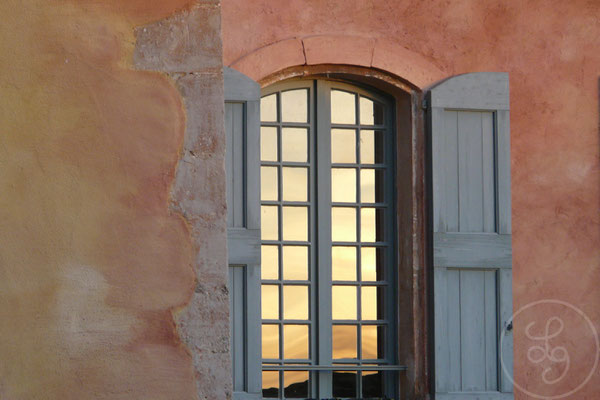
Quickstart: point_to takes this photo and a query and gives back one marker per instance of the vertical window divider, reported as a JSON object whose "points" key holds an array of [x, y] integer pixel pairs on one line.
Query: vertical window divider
{"points": [[323, 242]]}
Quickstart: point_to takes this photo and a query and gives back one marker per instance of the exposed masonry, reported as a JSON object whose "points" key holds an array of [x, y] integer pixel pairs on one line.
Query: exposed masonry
{"points": [[187, 47]]}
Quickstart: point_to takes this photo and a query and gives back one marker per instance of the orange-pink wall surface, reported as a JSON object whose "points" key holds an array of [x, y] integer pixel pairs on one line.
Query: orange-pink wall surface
{"points": [[551, 50], [94, 266]]}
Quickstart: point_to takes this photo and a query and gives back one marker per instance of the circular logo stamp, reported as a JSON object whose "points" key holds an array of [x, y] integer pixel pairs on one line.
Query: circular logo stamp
{"points": [[561, 346]]}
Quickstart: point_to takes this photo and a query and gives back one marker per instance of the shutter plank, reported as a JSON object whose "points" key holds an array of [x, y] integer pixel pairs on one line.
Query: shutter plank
{"points": [[470, 175], [490, 331], [472, 315], [454, 326], [488, 171]]}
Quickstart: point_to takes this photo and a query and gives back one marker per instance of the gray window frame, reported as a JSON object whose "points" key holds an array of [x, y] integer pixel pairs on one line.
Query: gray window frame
{"points": [[319, 96]]}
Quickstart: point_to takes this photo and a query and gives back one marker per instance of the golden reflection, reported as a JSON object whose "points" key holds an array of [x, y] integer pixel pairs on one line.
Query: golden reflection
{"points": [[343, 107], [270, 380], [371, 337], [371, 186], [294, 105], [268, 183], [343, 224], [343, 146], [295, 223], [371, 147], [369, 303], [343, 185], [368, 225], [369, 263], [371, 113], [269, 268], [294, 144], [295, 341], [344, 341], [270, 301], [268, 143], [295, 302], [295, 184], [296, 384], [343, 302], [343, 263], [269, 223], [295, 263], [367, 186], [270, 341], [268, 108]]}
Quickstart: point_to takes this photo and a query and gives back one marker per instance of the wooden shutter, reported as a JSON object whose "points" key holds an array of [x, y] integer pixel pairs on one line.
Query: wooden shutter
{"points": [[242, 125], [469, 128]]}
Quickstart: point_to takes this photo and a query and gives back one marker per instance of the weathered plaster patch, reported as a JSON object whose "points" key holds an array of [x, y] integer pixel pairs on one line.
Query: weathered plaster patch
{"points": [[93, 261]]}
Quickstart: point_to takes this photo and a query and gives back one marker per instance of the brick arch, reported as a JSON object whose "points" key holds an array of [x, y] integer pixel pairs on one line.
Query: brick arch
{"points": [[378, 53]]}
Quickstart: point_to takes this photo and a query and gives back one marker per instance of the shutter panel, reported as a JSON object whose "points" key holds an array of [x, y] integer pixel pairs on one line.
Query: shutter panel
{"points": [[470, 149], [242, 125]]}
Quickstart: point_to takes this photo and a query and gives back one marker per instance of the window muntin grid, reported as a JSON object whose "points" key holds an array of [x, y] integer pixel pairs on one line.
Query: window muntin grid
{"points": [[352, 161]]}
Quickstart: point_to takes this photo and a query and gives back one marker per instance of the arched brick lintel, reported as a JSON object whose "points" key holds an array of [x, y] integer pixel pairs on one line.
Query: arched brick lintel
{"points": [[378, 53]]}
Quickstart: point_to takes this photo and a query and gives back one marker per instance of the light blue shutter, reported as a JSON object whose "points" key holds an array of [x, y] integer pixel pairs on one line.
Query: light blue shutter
{"points": [[469, 122], [242, 125]]}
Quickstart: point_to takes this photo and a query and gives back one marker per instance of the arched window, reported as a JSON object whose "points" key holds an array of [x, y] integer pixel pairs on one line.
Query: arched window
{"points": [[369, 268], [328, 240]]}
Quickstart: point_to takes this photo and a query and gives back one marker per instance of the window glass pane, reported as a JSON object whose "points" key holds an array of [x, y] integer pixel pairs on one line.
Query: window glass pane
{"points": [[371, 225], [343, 302], [343, 263], [372, 342], [295, 184], [295, 341], [269, 268], [268, 108], [343, 224], [294, 105], [294, 144], [371, 186], [268, 183], [372, 384], [371, 112], [270, 384], [371, 264], [296, 384], [270, 301], [343, 185], [371, 147], [269, 223], [343, 107], [295, 302], [344, 384], [270, 341], [344, 340], [295, 223], [295, 263], [372, 303], [343, 146], [268, 143]]}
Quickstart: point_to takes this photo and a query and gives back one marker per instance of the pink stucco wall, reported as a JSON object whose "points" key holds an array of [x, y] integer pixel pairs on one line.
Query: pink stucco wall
{"points": [[551, 51]]}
